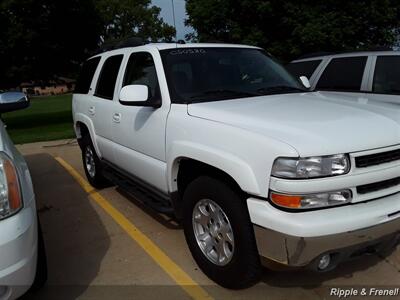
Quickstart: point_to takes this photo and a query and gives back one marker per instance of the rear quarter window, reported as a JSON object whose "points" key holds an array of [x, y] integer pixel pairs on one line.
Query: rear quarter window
{"points": [[303, 68], [86, 75]]}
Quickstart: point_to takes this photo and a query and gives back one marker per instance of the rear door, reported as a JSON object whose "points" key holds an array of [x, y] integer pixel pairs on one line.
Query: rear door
{"points": [[82, 98], [102, 104]]}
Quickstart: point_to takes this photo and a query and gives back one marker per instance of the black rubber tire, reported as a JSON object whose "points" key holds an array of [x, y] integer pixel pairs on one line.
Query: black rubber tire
{"points": [[244, 269], [98, 180], [41, 264]]}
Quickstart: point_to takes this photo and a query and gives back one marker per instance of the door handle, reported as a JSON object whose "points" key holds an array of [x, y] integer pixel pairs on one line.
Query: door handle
{"points": [[92, 110], [117, 117]]}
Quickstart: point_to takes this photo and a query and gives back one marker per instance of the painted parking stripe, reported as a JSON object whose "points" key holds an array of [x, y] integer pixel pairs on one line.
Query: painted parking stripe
{"points": [[167, 264]]}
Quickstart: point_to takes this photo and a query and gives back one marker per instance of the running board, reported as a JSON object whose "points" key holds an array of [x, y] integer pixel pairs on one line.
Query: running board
{"points": [[142, 193]]}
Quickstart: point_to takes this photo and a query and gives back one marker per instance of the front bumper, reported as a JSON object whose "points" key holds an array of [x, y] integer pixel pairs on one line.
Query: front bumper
{"points": [[297, 251], [18, 252]]}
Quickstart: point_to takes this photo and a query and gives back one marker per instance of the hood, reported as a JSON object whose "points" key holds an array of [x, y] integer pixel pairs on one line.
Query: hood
{"points": [[313, 123]]}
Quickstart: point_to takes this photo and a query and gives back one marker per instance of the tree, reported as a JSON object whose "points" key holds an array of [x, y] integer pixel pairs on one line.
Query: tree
{"points": [[124, 18], [291, 28]]}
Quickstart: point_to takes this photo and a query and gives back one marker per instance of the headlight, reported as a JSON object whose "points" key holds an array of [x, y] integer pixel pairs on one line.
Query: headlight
{"points": [[309, 201], [10, 195], [311, 167]]}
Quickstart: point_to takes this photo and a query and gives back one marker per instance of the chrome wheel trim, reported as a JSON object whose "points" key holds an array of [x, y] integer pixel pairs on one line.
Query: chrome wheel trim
{"points": [[213, 232], [89, 162]]}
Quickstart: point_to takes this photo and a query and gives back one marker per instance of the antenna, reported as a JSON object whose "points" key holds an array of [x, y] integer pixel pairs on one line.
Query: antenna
{"points": [[173, 15]]}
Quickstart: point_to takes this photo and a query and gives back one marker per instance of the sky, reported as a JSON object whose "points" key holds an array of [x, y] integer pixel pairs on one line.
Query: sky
{"points": [[180, 15]]}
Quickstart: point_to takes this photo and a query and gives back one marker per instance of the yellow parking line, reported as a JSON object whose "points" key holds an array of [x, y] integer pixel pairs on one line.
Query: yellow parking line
{"points": [[167, 264]]}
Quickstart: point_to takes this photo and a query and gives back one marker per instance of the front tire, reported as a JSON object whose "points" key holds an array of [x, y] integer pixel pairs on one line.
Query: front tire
{"points": [[92, 164], [219, 233]]}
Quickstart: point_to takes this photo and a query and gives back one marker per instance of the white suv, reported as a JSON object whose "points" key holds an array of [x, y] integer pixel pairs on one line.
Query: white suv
{"points": [[253, 164], [372, 75]]}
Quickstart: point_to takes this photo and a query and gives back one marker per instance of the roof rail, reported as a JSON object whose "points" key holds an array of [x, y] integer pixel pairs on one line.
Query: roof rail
{"points": [[316, 54]]}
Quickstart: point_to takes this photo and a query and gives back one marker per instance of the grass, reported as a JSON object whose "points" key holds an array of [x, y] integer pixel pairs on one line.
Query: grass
{"points": [[47, 118]]}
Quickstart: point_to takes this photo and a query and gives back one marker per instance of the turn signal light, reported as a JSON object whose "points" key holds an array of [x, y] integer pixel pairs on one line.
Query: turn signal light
{"points": [[310, 201]]}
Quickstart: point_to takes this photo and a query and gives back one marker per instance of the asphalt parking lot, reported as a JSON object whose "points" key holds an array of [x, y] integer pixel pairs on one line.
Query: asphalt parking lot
{"points": [[106, 245]]}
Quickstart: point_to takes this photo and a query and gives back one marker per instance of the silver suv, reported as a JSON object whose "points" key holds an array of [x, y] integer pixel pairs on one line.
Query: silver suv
{"points": [[375, 74]]}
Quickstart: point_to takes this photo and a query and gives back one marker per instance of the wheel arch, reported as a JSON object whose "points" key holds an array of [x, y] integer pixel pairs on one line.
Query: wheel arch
{"points": [[185, 168], [84, 126]]}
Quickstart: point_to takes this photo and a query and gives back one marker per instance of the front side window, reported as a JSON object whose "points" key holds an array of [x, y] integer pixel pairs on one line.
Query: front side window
{"points": [[343, 74], [142, 70], [387, 75], [303, 68], [108, 77], [211, 74]]}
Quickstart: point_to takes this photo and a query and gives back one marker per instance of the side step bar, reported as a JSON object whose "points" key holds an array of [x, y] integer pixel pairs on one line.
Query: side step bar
{"points": [[155, 199]]}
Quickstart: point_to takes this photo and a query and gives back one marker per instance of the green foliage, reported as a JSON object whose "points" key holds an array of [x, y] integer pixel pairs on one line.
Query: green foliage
{"points": [[291, 28], [124, 18]]}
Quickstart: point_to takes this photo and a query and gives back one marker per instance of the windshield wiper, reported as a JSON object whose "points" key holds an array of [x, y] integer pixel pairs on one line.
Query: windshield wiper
{"points": [[280, 89], [224, 93]]}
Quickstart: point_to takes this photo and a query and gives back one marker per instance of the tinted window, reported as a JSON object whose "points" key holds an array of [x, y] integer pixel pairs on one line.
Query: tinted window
{"points": [[141, 70], [304, 68], [387, 75], [108, 77], [343, 74], [86, 75]]}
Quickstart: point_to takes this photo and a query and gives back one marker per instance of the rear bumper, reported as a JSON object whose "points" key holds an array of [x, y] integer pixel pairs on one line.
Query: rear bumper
{"points": [[295, 251], [18, 253]]}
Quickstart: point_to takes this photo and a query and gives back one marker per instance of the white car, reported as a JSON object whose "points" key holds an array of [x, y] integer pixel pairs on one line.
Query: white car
{"points": [[373, 75], [257, 168], [22, 253]]}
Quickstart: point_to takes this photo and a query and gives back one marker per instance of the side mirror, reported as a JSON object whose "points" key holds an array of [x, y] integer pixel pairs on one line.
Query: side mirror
{"points": [[304, 80], [137, 95], [10, 101]]}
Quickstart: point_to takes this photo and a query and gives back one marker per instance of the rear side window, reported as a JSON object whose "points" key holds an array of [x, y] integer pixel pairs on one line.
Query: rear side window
{"points": [[387, 75], [303, 68], [86, 76], [343, 74], [108, 77], [141, 70]]}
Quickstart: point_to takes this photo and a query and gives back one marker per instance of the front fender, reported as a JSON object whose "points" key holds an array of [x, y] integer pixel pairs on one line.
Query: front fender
{"points": [[234, 166]]}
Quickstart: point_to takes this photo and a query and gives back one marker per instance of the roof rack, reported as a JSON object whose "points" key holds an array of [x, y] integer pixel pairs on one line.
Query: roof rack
{"points": [[129, 42], [118, 44]]}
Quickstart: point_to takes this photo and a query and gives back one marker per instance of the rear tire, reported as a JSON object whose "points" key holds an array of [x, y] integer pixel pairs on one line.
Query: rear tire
{"points": [[92, 164], [235, 264]]}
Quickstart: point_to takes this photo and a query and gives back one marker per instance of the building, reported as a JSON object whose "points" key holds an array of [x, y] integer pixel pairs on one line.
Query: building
{"points": [[60, 85]]}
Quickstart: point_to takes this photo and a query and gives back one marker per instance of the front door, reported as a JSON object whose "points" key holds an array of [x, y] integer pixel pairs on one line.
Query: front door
{"points": [[139, 131]]}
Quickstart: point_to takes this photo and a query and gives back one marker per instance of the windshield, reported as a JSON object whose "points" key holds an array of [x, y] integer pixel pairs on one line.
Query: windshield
{"points": [[211, 74]]}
